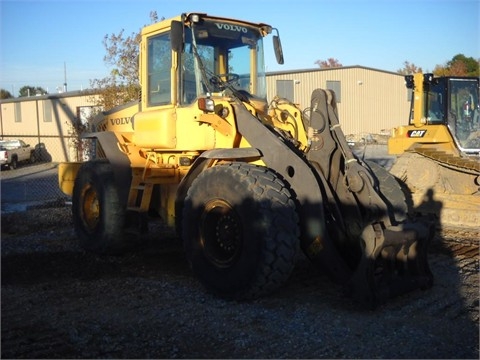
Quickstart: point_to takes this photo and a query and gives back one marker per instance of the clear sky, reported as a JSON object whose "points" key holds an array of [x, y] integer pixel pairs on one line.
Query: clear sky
{"points": [[37, 37]]}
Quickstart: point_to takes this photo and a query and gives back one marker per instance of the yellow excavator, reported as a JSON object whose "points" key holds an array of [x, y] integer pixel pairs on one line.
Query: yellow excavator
{"points": [[438, 151], [244, 183]]}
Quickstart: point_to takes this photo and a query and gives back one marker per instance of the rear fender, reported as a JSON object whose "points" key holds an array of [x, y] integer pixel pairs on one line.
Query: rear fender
{"points": [[67, 172], [120, 162]]}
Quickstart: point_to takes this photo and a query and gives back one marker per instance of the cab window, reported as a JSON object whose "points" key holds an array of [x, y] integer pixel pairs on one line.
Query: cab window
{"points": [[159, 65]]}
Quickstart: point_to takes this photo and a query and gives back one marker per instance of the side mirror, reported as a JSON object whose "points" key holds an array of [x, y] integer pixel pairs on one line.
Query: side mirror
{"points": [[409, 83], [176, 36], [277, 46]]}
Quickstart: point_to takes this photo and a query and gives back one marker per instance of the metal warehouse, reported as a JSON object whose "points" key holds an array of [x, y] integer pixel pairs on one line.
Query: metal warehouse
{"points": [[46, 121], [369, 101]]}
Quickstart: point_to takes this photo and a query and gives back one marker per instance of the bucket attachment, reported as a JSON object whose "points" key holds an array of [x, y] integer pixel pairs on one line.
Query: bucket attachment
{"points": [[366, 211], [393, 262]]}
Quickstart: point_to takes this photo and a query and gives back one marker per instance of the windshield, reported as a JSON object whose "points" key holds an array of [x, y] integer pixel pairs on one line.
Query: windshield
{"points": [[218, 54], [463, 113]]}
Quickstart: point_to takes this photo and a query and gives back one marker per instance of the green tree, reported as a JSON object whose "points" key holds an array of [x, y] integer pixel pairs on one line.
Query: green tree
{"points": [[31, 91], [4, 94], [470, 64], [459, 65]]}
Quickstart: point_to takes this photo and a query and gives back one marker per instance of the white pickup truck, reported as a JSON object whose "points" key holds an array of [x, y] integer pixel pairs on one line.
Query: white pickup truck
{"points": [[13, 152]]}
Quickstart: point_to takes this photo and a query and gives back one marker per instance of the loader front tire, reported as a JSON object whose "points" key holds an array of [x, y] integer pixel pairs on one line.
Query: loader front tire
{"points": [[240, 230], [98, 215], [392, 191]]}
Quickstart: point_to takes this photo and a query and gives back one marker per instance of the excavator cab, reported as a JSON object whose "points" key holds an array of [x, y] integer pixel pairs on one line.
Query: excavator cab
{"points": [[463, 113], [438, 150], [444, 112], [453, 102]]}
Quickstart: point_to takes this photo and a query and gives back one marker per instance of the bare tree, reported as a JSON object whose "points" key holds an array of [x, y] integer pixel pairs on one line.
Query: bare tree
{"points": [[122, 54], [409, 68], [329, 63]]}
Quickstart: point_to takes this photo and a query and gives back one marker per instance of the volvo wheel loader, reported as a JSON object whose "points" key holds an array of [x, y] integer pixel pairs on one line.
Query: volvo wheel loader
{"points": [[244, 183], [438, 151]]}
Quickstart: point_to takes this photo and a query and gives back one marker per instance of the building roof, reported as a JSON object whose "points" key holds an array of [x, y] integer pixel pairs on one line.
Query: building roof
{"points": [[272, 73], [49, 96]]}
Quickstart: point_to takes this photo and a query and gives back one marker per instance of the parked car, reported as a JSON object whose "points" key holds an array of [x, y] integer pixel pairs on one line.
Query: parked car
{"points": [[12, 152]]}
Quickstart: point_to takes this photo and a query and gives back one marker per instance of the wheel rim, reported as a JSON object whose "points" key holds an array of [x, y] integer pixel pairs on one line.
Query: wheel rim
{"points": [[90, 208], [221, 233]]}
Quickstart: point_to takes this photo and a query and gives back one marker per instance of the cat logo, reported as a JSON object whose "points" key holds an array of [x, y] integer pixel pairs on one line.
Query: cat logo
{"points": [[416, 133]]}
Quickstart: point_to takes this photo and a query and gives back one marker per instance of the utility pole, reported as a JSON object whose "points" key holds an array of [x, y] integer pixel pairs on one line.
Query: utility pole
{"points": [[65, 76]]}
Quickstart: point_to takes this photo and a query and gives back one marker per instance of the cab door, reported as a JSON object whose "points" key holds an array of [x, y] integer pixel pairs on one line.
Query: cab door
{"points": [[155, 125]]}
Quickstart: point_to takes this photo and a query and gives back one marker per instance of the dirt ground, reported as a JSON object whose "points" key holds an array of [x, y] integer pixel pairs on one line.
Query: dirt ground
{"points": [[59, 302]]}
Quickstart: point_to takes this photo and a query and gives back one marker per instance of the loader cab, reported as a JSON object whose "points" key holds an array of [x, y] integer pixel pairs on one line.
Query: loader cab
{"points": [[219, 56], [197, 55], [190, 58]]}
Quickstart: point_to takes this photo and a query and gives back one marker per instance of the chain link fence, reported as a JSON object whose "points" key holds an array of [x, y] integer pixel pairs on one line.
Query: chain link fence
{"points": [[35, 184]]}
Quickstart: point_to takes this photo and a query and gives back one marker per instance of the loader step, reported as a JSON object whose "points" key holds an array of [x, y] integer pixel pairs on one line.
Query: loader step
{"points": [[140, 196], [136, 209]]}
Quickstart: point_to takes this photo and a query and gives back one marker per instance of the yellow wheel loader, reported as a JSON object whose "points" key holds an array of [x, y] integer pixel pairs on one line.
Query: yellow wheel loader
{"points": [[438, 151], [246, 184]]}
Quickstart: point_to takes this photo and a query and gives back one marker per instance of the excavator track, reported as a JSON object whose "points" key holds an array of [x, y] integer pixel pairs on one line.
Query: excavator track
{"points": [[468, 165], [441, 185]]}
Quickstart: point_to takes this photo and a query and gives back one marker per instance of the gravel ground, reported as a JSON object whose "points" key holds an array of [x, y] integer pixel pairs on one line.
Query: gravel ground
{"points": [[60, 302]]}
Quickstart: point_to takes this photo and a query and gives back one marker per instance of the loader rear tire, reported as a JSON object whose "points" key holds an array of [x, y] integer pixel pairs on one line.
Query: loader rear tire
{"points": [[98, 215], [240, 230]]}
